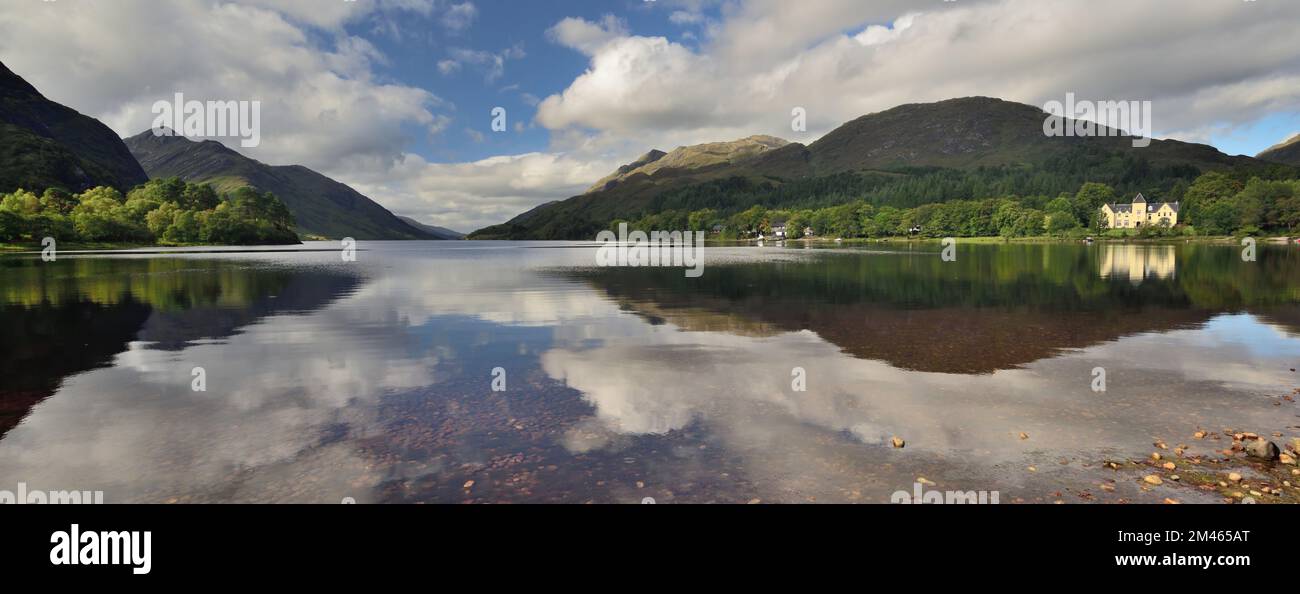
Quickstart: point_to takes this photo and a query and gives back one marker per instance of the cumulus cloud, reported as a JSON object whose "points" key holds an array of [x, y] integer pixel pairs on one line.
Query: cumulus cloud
{"points": [[1209, 68], [321, 106], [1210, 62], [467, 196], [587, 36]]}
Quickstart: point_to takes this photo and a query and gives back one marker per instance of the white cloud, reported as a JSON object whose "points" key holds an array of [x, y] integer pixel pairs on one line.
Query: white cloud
{"points": [[467, 196], [460, 16], [587, 36], [492, 64], [1208, 62], [321, 106], [1208, 68]]}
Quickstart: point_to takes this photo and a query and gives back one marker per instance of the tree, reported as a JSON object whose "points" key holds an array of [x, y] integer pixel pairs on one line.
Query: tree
{"points": [[795, 225], [58, 200], [185, 228], [1207, 189], [21, 203], [1089, 200], [199, 197], [702, 220], [1218, 218], [1060, 222], [12, 226], [93, 219], [161, 218]]}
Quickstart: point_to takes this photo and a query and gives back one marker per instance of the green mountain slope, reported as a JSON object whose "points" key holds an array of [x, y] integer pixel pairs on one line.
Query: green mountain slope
{"points": [[320, 205], [978, 143], [44, 144]]}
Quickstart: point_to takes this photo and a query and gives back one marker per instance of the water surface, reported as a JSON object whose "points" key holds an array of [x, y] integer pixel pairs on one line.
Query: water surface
{"points": [[373, 380]]}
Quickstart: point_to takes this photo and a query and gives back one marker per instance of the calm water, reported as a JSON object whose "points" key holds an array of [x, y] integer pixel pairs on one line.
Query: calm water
{"points": [[374, 380]]}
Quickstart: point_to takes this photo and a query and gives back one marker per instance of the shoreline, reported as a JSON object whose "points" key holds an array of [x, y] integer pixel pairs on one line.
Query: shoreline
{"points": [[137, 248], [1227, 240]]}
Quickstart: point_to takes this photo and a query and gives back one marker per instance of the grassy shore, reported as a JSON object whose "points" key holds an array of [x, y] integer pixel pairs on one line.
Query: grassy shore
{"points": [[73, 246]]}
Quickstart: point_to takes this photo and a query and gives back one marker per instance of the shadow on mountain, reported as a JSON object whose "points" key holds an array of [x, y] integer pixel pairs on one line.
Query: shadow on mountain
{"points": [[64, 318]]}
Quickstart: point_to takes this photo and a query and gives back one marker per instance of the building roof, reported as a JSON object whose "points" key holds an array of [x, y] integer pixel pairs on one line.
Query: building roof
{"points": [[1151, 207]]}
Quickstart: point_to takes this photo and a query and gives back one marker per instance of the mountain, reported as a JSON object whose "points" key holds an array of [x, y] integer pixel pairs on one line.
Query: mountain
{"points": [[1287, 153], [693, 161], [438, 232], [611, 180], [958, 135], [44, 144], [322, 206]]}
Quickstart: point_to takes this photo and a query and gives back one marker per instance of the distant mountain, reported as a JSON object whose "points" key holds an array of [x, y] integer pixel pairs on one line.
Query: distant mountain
{"points": [[44, 144], [1287, 152], [439, 232], [321, 205], [958, 134], [974, 132]]}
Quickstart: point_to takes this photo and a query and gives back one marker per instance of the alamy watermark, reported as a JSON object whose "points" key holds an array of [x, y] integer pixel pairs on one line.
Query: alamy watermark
{"points": [[211, 119], [1099, 118], [657, 248], [921, 496], [38, 497]]}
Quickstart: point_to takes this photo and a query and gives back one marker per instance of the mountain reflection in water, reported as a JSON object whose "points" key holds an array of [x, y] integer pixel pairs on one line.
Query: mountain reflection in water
{"points": [[372, 380]]}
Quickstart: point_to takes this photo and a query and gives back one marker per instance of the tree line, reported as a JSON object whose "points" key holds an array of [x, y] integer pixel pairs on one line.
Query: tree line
{"points": [[1216, 203], [161, 211]]}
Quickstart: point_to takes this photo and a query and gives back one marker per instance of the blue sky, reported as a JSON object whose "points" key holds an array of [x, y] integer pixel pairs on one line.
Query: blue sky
{"points": [[545, 69], [394, 97]]}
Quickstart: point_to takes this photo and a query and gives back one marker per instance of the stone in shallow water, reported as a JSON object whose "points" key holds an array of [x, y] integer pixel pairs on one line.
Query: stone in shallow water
{"points": [[1263, 448]]}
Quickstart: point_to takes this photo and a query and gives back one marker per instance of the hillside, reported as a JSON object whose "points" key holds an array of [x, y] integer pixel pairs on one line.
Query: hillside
{"points": [[1287, 153], [881, 152], [320, 205], [696, 162], [44, 144], [438, 232]]}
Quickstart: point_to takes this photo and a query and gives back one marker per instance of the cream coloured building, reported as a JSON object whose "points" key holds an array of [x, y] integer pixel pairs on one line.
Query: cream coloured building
{"points": [[1140, 214]]}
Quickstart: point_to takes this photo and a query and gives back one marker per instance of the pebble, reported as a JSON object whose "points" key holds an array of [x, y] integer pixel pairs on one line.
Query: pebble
{"points": [[468, 484], [1024, 435], [1152, 479], [1234, 477], [897, 442], [1170, 466]]}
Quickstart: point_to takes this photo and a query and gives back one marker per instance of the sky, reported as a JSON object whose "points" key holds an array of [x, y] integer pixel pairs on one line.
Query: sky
{"points": [[396, 97]]}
